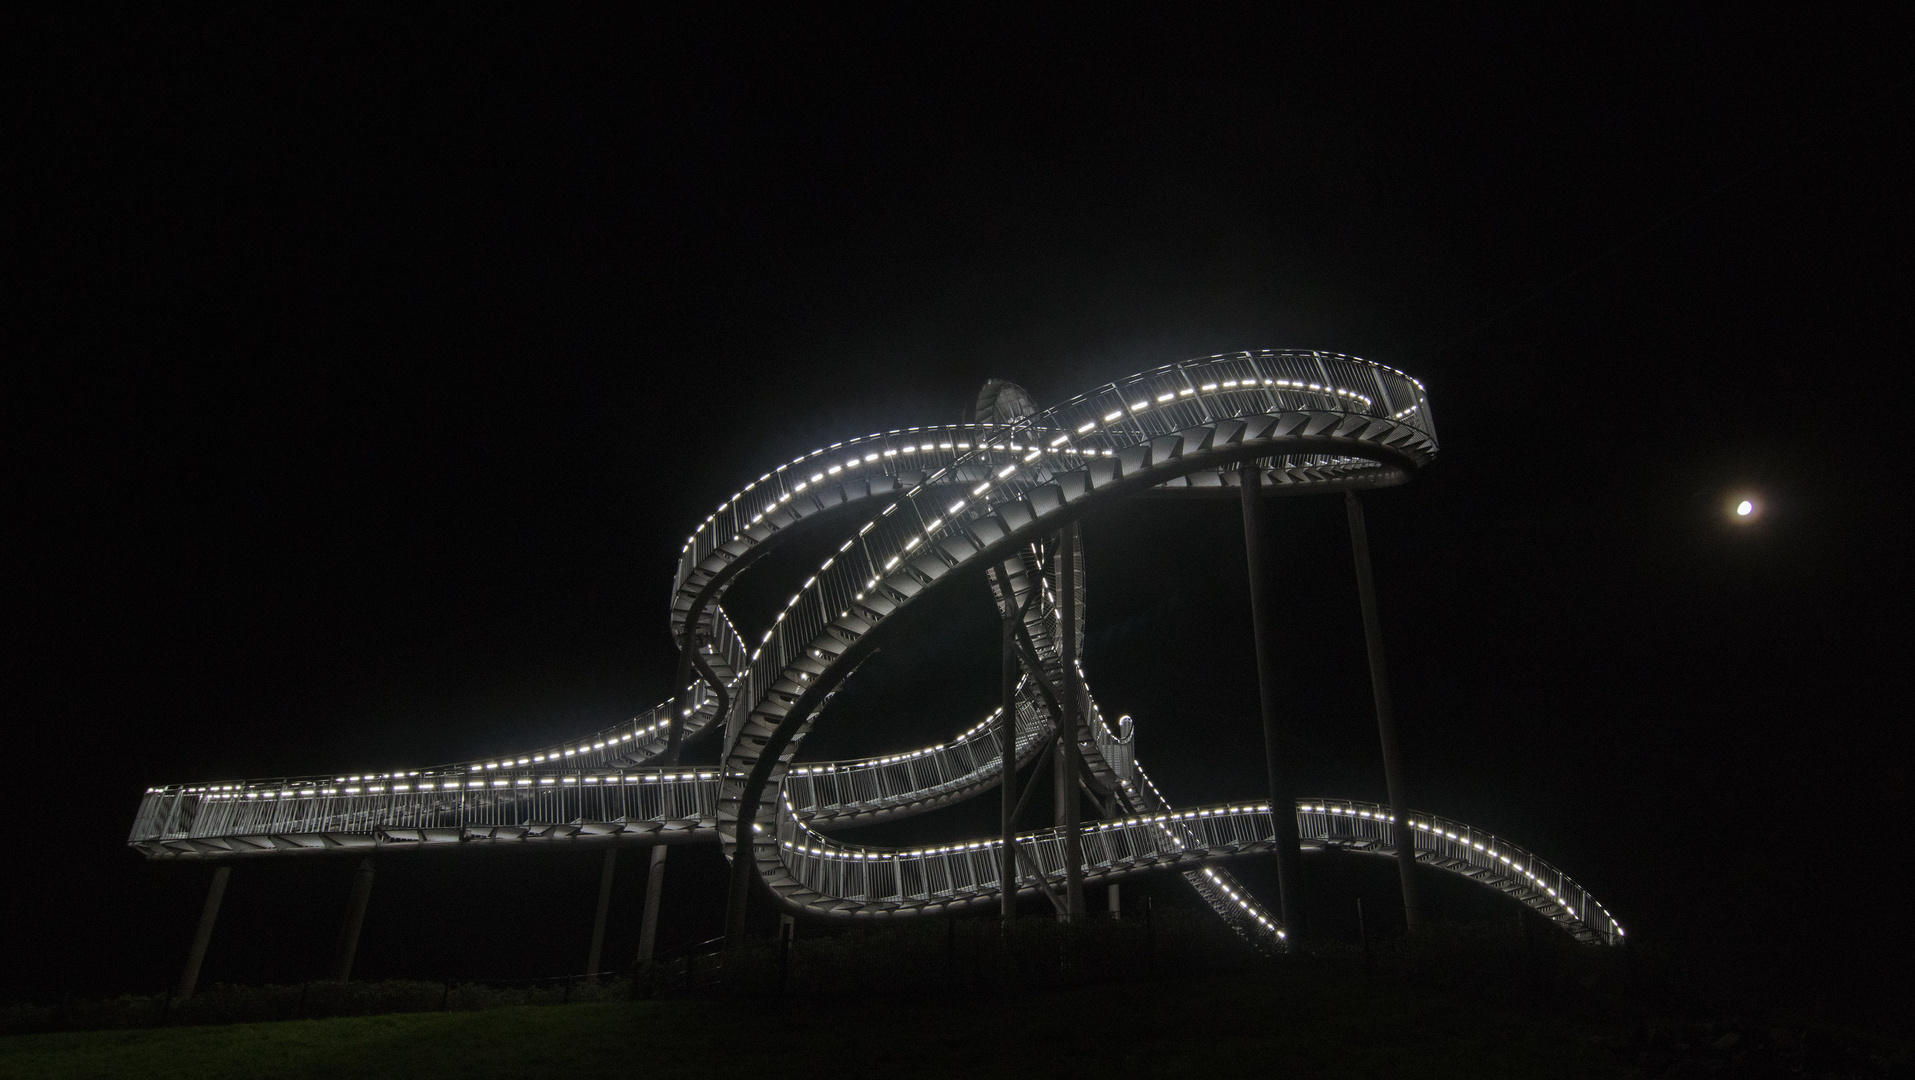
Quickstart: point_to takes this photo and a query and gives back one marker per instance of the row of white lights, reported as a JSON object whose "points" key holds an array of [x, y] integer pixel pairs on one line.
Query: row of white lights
{"points": [[944, 849], [829, 851], [957, 444], [1244, 902], [1474, 845], [554, 755], [888, 759], [1424, 826], [243, 789], [976, 730], [638, 733], [449, 785], [952, 443], [1196, 815], [1327, 809], [937, 522], [230, 791]]}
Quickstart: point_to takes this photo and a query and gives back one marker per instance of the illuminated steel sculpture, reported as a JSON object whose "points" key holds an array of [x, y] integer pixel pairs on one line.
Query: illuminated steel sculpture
{"points": [[920, 508]]}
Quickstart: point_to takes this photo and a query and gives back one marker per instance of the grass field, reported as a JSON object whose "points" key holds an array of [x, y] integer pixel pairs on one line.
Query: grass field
{"points": [[1288, 1021]]}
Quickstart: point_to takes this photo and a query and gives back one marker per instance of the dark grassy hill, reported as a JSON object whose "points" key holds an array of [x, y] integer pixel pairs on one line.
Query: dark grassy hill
{"points": [[937, 1000]]}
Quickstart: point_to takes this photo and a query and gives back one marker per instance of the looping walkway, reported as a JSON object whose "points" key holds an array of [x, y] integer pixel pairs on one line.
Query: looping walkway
{"points": [[918, 508]]}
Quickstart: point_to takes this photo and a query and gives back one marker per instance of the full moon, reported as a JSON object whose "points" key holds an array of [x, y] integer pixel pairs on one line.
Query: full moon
{"points": [[1744, 508]]}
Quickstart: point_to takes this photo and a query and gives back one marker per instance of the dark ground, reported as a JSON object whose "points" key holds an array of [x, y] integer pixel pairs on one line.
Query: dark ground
{"points": [[1138, 1031], [1178, 999]]}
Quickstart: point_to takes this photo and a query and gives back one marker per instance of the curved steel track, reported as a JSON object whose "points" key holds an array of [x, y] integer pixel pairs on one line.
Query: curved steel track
{"points": [[917, 510]]}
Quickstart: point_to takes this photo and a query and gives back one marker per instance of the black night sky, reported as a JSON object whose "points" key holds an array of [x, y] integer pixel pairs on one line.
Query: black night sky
{"points": [[375, 374]]}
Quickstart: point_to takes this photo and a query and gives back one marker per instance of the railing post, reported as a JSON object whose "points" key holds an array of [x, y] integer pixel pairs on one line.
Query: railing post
{"points": [[1393, 777], [355, 919], [1283, 805], [203, 934], [605, 874]]}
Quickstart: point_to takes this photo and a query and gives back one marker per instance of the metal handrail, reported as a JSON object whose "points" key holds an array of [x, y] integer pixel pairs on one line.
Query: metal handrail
{"points": [[876, 881]]}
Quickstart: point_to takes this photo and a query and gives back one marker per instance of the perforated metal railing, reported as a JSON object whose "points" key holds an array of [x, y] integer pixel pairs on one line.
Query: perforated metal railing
{"points": [[1266, 381], [1216, 884], [895, 548], [316, 812], [883, 881], [1474, 853], [827, 790], [900, 878], [303, 812]]}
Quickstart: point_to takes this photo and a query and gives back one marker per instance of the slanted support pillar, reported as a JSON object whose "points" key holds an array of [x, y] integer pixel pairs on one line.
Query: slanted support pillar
{"points": [[1393, 777], [654, 891], [189, 976], [674, 743], [1061, 789], [1007, 748], [1069, 808], [1283, 805], [355, 920], [605, 874]]}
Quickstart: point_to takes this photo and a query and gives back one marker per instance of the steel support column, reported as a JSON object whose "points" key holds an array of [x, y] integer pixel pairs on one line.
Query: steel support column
{"points": [[674, 743], [355, 920], [1283, 805], [744, 866], [1007, 748], [604, 907], [738, 885], [1069, 699], [1393, 777], [1061, 787], [654, 891], [189, 976]]}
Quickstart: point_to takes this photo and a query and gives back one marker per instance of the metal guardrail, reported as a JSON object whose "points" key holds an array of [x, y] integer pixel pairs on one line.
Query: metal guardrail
{"points": [[945, 876]]}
